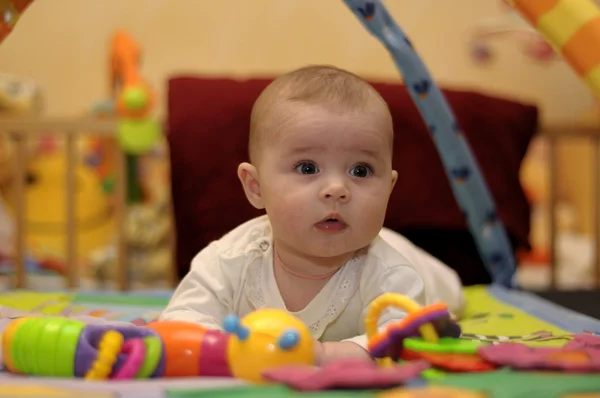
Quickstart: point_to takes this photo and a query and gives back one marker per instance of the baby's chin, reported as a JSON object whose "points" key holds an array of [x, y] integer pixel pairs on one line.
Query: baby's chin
{"points": [[335, 249], [327, 246]]}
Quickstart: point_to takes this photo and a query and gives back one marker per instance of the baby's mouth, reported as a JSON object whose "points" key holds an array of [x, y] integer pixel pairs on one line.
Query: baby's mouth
{"points": [[332, 223]]}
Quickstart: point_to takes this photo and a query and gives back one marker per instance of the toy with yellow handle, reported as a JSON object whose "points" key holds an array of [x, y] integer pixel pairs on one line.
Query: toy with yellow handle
{"points": [[430, 322], [62, 347], [572, 27]]}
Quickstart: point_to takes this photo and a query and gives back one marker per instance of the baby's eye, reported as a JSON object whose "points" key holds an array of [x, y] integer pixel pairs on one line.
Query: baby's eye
{"points": [[361, 171], [307, 168]]}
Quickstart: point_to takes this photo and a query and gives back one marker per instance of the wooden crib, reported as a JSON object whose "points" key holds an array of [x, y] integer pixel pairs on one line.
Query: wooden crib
{"points": [[22, 129], [555, 134]]}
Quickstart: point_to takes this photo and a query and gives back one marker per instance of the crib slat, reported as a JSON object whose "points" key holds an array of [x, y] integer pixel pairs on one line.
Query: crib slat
{"points": [[552, 141], [122, 274], [20, 142], [71, 211], [596, 199]]}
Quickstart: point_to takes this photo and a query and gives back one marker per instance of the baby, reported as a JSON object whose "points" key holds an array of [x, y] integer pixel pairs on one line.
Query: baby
{"points": [[320, 151]]}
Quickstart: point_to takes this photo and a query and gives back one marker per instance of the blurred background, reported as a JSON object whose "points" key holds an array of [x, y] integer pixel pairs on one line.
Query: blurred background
{"points": [[57, 53]]}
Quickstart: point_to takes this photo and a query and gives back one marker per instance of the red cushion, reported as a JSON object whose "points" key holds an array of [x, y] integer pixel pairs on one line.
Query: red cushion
{"points": [[208, 130]]}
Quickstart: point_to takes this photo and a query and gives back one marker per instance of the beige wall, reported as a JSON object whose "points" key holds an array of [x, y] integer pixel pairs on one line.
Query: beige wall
{"points": [[62, 44]]}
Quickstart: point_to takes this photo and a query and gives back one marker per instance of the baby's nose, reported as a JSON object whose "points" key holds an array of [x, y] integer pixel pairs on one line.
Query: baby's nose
{"points": [[336, 191]]}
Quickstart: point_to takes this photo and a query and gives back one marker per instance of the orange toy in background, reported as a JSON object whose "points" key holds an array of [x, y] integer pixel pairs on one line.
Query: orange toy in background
{"points": [[134, 97], [11, 12], [134, 100]]}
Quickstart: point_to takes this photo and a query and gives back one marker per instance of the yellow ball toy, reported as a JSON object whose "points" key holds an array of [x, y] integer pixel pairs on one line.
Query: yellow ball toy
{"points": [[265, 339]]}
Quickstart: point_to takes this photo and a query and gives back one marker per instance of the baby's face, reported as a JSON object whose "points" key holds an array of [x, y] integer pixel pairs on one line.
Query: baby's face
{"points": [[326, 178]]}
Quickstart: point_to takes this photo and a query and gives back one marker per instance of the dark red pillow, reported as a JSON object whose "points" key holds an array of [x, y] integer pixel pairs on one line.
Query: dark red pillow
{"points": [[208, 130]]}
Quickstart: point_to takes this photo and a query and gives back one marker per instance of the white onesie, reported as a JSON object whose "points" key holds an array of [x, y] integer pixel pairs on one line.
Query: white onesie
{"points": [[235, 275]]}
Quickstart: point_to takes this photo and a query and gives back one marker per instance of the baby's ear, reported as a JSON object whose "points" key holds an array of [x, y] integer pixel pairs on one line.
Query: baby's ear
{"points": [[394, 178], [248, 175]]}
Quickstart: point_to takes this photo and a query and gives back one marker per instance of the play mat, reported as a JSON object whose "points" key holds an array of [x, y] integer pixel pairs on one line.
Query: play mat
{"points": [[494, 314]]}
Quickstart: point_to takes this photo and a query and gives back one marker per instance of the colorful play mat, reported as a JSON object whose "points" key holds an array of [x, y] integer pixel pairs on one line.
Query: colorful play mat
{"points": [[493, 314]]}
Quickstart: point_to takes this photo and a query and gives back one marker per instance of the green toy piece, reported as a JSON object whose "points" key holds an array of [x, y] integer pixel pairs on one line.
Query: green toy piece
{"points": [[445, 345], [135, 98], [137, 137], [47, 362]]}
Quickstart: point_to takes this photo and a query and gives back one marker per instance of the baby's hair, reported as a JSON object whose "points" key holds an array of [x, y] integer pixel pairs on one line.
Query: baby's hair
{"points": [[324, 85]]}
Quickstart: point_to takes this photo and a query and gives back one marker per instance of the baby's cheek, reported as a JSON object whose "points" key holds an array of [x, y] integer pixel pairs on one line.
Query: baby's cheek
{"points": [[284, 210], [374, 209]]}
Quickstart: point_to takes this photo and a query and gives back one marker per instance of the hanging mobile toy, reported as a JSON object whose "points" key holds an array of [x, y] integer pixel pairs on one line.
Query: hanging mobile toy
{"points": [[138, 132], [134, 99]]}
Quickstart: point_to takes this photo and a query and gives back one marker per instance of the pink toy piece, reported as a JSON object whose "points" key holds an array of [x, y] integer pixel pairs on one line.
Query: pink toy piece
{"points": [[522, 357], [345, 373], [213, 358], [584, 341], [136, 350]]}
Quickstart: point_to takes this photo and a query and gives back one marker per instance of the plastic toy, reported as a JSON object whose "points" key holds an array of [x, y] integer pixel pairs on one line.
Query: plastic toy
{"points": [[451, 362], [427, 333], [62, 347], [430, 322], [438, 343], [572, 28], [468, 184], [134, 99], [521, 357], [346, 374]]}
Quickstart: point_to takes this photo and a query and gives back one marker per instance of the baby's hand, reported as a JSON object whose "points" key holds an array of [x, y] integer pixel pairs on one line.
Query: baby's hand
{"points": [[319, 353], [335, 350]]}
